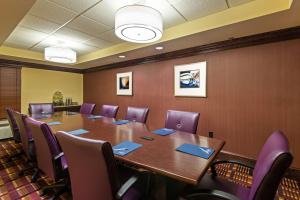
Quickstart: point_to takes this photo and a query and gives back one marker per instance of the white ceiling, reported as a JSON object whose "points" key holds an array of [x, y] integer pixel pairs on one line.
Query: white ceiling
{"points": [[88, 25]]}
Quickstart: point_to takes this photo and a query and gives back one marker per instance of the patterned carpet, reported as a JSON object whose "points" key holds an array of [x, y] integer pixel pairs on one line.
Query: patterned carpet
{"points": [[14, 187], [288, 189]]}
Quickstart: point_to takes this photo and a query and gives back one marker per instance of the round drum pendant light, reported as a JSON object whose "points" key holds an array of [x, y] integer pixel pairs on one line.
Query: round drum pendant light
{"points": [[139, 24], [60, 55]]}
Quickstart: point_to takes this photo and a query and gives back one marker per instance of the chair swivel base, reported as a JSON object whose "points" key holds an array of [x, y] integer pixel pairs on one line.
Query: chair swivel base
{"points": [[62, 189]]}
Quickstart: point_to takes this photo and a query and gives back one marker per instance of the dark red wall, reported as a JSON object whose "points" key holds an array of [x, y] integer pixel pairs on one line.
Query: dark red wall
{"points": [[250, 93]]}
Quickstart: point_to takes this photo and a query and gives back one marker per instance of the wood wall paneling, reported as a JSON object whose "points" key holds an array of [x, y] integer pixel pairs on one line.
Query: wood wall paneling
{"points": [[10, 86], [251, 92]]}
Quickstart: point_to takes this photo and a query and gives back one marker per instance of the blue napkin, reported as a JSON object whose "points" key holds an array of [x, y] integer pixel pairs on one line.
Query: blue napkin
{"points": [[78, 132], [125, 147], [53, 123], [120, 122], [95, 117], [164, 131], [202, 152]]}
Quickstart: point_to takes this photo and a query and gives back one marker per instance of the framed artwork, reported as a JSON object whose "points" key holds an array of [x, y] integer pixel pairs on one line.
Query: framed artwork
{"points": [[124, 83], [190, 79]]}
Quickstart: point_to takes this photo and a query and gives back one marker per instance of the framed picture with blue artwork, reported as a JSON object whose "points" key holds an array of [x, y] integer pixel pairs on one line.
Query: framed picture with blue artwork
{"points": [[124, 83], [190, 79]]}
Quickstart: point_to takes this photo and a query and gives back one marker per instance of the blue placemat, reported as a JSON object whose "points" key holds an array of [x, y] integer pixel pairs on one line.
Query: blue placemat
{"points": [[53, 123], [95, 116], [164, 131], [125, 147], [78, 132], [202, 152], [120, 122], [71, 113]]}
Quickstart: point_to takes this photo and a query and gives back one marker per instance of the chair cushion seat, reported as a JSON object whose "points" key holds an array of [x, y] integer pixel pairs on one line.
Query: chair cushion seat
{"points": [[218, 183], [132, 194], [124, 174]]}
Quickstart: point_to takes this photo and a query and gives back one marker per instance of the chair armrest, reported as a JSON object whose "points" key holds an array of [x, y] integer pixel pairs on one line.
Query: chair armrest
{"points": [[58, 156], [126, 186], [213, 169], [207, 193]]}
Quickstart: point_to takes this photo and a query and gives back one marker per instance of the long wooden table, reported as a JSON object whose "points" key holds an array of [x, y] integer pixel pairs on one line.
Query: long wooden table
{"points": [[158, 156]]}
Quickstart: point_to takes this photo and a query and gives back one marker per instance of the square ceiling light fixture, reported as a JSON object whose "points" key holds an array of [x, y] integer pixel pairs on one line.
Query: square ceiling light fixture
{"points": [[139, 24]]}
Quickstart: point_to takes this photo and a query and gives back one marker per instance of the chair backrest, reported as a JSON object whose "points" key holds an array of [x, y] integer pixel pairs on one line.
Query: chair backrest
{"points": [[46, 148], [91, 165], [87, 108], [109, 111], [25, 134], [274, 159], [40, 108], [137, 114], [182, 121], [13, 125]]}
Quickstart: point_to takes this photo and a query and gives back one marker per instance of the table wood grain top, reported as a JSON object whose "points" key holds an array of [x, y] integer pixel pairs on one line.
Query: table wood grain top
{"points": [[158, 156]]}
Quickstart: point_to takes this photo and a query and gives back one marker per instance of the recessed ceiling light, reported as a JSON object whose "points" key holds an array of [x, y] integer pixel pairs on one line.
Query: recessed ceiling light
{"points": [[122, 56], [159, 48]]}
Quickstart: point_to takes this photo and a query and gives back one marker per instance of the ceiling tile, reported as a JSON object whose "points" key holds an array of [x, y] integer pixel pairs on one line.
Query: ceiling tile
{"points": [[110, 37], [233, 3], [84, 49], [67, 34], [24, 37], [193, 9], [18, 45], [170, 16], [75, 5], [38, 24], [89, 26], [51, 11], [96, 42], [104, 12]]}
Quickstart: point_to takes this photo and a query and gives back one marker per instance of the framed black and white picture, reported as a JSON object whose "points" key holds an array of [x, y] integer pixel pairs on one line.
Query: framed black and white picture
{"points": [[124, 83], [190, 79]]}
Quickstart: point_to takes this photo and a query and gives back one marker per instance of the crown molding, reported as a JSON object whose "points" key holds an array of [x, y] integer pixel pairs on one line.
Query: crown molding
{"points": [[257, 39]]}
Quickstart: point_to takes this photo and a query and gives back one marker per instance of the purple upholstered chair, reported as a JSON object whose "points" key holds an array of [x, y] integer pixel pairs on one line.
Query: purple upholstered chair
{"points": [[273, 160], [13, 125], [26, 141], [109, 111], [94, 176], [50, 159], [137, 114], [87, 108], [41, 108], [182, 121], [25, 135], [15, 131]]}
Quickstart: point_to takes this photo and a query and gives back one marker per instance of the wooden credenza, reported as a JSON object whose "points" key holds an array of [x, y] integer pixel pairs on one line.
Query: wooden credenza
{"points": [[70, 108]]}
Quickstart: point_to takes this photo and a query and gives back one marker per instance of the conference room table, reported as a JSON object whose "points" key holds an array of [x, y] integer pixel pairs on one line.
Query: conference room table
{"points": [[158, 156]]}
